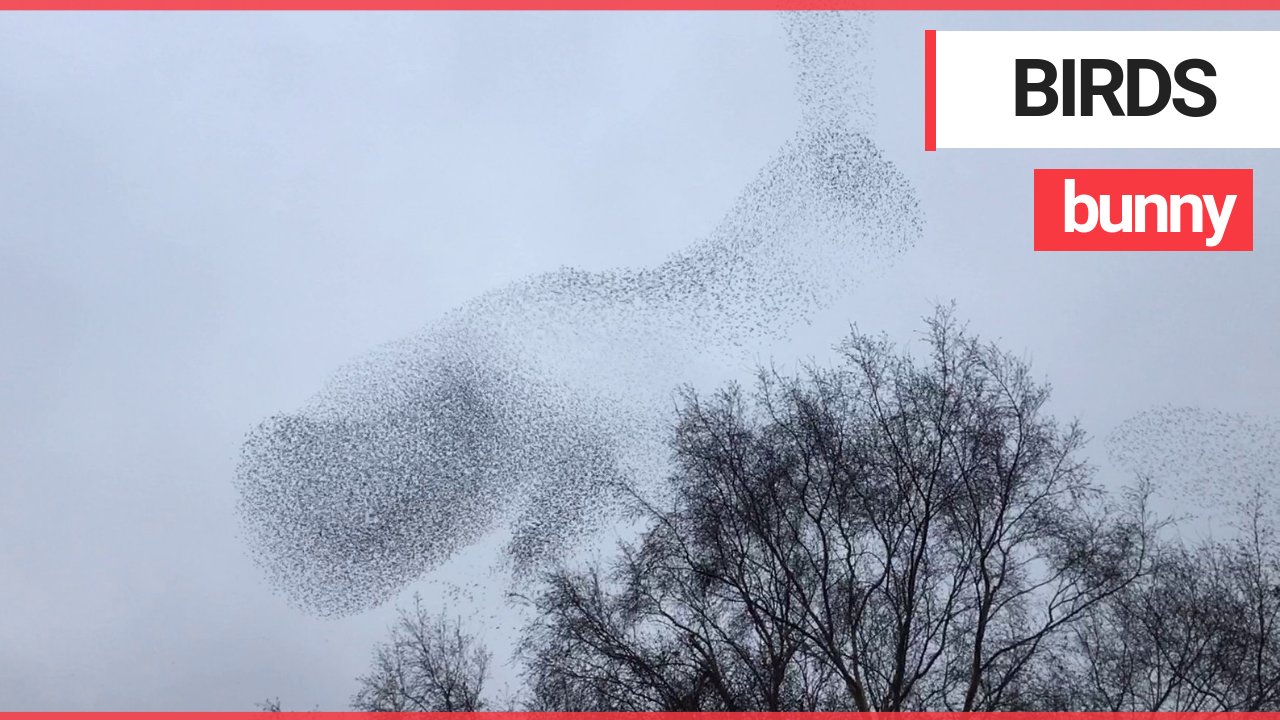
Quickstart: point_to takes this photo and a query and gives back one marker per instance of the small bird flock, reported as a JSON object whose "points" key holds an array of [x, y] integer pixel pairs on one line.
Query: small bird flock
{"points": [[522, 412], [1210, 464]]}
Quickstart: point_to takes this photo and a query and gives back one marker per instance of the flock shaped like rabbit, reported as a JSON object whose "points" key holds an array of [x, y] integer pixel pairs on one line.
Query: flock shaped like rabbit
{"points": [[520, 413]]}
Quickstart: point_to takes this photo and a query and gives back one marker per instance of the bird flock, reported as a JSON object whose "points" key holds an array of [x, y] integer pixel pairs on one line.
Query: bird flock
{"points": [[1209, 465], [522, 412]]}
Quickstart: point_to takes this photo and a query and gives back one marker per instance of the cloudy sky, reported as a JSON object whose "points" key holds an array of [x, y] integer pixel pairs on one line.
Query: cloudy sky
{"points": [[202, 216]]}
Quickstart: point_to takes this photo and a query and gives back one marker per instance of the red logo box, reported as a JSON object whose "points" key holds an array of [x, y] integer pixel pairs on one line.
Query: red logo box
{"points": [[1157, 209]]}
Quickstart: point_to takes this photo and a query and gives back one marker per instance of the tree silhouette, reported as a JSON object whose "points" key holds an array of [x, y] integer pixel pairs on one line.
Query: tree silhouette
{"points": [[896, 533], [428, 665], [1198, 633], [900, 532]]}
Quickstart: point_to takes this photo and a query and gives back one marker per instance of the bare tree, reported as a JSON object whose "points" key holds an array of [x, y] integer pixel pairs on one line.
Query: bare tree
{"points": [[429, 664], [1200, 633], [897, 533], [891, 534]]}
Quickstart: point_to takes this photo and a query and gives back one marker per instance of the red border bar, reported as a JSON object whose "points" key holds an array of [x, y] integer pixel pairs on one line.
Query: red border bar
{"points": [[930, 90], [936, 5], [320, 715], [597, 715]]}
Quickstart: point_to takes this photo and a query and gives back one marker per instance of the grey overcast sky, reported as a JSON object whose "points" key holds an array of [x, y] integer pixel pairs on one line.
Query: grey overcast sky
{"points": [[203, 215]]}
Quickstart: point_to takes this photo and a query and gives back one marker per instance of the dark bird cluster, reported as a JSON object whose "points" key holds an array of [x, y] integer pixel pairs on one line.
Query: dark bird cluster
{"points": [[1212, 465], [521, 410]]}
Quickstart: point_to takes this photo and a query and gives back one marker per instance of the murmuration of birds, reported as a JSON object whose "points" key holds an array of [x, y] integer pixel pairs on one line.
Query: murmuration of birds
{"points": [[1208, 465], [526, 409]]}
